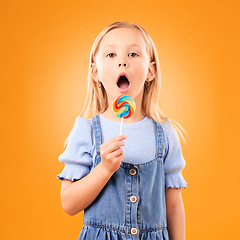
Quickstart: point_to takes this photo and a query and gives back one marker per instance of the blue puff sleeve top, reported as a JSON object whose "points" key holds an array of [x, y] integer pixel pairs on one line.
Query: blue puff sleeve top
{"points": [[140, 146]]}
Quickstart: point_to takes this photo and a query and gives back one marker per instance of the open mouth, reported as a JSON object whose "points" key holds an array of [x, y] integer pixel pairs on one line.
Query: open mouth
{"points": [[123, 82]]}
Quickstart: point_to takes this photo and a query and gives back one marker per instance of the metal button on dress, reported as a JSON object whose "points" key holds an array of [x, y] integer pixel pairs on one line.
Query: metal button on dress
{"points": [[132, 171], [133, 199], [133, 231]]}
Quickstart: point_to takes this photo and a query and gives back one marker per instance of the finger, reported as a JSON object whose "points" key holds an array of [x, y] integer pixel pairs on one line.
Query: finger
{"points": [[113, 146], [120, 158], [116, 153], [106, 150], [117, 138]]}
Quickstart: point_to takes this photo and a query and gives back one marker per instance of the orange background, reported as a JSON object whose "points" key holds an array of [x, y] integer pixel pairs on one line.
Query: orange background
{"points": [[45, 48]]}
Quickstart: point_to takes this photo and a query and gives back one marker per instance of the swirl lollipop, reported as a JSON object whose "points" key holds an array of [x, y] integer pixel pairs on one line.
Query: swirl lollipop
{"points": [[123, 107]]}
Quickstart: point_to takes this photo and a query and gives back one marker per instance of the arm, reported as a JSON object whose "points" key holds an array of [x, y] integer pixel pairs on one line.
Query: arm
{"points": [[76, 196], [175, 214]]}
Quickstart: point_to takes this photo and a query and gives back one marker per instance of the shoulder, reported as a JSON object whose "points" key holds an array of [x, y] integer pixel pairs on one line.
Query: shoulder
{"points": [[82, 124], [82, 129], [168, 129], [171, 138]]}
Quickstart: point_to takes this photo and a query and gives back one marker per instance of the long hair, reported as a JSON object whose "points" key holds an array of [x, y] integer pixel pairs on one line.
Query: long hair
{"points": [[96, 100]]}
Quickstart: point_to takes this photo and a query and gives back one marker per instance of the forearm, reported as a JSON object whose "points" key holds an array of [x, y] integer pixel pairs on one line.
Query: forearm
{"points": [[176, 222], [76, 196], [80, 194]]}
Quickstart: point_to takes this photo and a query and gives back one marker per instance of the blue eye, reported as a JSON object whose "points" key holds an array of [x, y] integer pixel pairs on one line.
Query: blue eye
{"points": [[110, 55], [133, 54]]}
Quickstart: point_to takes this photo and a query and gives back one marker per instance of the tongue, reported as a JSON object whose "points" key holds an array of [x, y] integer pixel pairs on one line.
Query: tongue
{"points": [[123, 84]]}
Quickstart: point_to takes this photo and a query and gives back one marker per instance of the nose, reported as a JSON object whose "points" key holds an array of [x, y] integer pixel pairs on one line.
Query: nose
{"points": [[122, 63]]}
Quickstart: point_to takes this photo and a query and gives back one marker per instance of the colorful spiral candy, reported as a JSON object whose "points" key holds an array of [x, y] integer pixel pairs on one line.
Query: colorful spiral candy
{"points": [[124, 106]]}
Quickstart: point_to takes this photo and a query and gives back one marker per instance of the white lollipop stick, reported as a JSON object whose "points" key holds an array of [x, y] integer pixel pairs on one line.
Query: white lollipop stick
{"points": [[121, 126]]}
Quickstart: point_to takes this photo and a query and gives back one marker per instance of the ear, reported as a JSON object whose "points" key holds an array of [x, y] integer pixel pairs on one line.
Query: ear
{"points": [[94, 72], [151, 71]]}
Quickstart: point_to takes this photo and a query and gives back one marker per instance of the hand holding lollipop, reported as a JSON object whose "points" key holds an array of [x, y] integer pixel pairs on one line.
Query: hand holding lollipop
{"points": [[123, 107]]}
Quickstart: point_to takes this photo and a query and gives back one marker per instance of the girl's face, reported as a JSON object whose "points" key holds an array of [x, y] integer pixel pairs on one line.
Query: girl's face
{"points": [[122, 64]]}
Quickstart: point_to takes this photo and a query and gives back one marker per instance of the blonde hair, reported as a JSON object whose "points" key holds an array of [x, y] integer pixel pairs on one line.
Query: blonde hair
{"points": [[96, 100]]}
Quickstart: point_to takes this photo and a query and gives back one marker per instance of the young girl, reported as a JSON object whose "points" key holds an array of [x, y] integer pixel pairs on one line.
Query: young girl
{"points": [[129, 185]]}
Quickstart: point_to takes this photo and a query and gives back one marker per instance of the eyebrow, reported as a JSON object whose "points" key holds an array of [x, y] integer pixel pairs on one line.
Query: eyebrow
{"points": [[131, 45]]}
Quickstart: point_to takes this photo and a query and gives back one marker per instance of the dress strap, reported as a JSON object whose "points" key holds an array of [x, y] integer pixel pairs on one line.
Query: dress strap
{"points": [[159, 133], [97, 133]]}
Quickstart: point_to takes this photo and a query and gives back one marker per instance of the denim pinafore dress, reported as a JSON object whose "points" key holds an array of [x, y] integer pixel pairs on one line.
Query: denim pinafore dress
{"points": [[132, 204]]}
